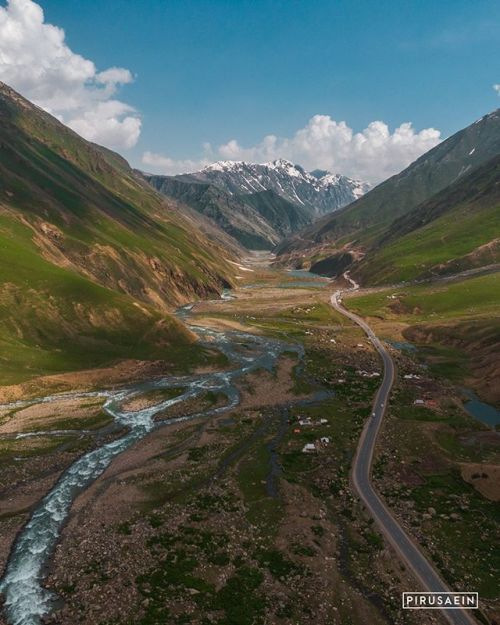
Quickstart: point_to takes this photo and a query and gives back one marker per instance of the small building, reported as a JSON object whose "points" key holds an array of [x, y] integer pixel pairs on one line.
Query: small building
{"points": [[367, 374], [306, 421], [323, 421], [325, 440], [419, 402], [309, 448]]}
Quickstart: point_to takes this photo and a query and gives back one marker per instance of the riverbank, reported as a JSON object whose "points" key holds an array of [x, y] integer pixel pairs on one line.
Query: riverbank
{"points": [[224, 516]]}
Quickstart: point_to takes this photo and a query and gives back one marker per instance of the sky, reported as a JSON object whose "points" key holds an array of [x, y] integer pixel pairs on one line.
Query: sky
{"points": [[358, 87]]}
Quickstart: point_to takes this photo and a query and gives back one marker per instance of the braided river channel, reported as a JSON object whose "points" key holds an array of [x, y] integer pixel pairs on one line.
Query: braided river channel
{"points": [[26, 599]]}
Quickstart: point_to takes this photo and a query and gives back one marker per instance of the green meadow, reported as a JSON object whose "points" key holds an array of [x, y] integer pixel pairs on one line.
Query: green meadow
{"points": [[471, 298]]}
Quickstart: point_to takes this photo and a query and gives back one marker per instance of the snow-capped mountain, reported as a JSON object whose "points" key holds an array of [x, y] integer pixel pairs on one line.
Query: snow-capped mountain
{"points": [[259, 205], [319, 191]]}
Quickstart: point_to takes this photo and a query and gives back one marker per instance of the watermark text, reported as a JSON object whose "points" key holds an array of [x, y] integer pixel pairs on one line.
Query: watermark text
{"points": [[440, 600]]}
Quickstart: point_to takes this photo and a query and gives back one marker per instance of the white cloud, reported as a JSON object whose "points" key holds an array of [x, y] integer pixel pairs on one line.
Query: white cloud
{"points": [[157, 163], [109, 123], [373, 154], [36, 61], [497, 88]]}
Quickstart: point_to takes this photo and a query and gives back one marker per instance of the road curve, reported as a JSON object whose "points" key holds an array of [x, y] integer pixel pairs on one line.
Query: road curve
{"points": [[407, 549]]}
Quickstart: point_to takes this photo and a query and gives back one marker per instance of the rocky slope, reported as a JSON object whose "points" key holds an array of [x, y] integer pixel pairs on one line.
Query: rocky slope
{"points": [[256, 221], [237, 215], [284, 216], [91, 257]]}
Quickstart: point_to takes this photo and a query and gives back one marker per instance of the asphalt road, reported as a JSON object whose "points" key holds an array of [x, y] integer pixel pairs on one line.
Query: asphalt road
{"points": [[407, 549]]}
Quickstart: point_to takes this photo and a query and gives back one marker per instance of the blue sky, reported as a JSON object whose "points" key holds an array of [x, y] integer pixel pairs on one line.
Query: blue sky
{"points": [[213, 71]]}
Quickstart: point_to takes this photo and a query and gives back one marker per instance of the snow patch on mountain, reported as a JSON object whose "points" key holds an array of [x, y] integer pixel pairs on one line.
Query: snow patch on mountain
{"points": [[320, 191]]}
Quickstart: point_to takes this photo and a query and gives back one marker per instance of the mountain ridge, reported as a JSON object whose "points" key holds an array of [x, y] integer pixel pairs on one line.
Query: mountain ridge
{"points": [[256, 220], [92, 259], [355, 229], [456, 230], [293, 182], [258, 204]]}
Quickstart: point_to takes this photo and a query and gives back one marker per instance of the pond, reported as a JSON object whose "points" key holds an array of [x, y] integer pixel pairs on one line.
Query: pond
{"points": [[481, 411], [403, 346], [306, 279], [307, 275]]}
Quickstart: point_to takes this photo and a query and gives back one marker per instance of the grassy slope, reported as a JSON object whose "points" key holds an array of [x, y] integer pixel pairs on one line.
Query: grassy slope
{"points": [[456, 324], [442, 235], [364, 223], [476, 297], [432, 172], [91, 258], [52, 319], [49, 173], [436, 248]]}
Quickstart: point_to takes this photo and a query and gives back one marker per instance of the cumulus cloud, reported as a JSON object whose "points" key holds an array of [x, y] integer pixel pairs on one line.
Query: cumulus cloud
{"points": [[497, 88], [373, 154], [36, 61]]}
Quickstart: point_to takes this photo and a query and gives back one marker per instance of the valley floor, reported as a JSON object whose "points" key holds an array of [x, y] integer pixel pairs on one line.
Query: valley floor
{"points": [[225, 519]]}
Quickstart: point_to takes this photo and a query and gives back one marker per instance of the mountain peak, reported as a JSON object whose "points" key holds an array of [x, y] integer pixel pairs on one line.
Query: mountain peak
{"points": [[287, 167], [223, 165], [281, 162], [318, 194], [230, 165]]}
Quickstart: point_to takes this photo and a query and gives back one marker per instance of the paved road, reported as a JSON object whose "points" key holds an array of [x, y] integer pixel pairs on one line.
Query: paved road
{"points": [[361, 479]]}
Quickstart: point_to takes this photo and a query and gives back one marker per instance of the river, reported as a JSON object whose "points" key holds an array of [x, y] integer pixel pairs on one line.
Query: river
{"points": [[26, 599]]}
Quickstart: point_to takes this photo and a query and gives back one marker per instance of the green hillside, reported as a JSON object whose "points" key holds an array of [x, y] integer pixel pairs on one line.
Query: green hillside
{"points": [[357, 226], [457, 230], [471, 298], [91, 258]]}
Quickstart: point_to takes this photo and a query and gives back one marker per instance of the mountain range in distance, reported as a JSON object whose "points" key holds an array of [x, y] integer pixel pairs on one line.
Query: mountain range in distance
{"points": [[260, 204], [437, 215]]}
